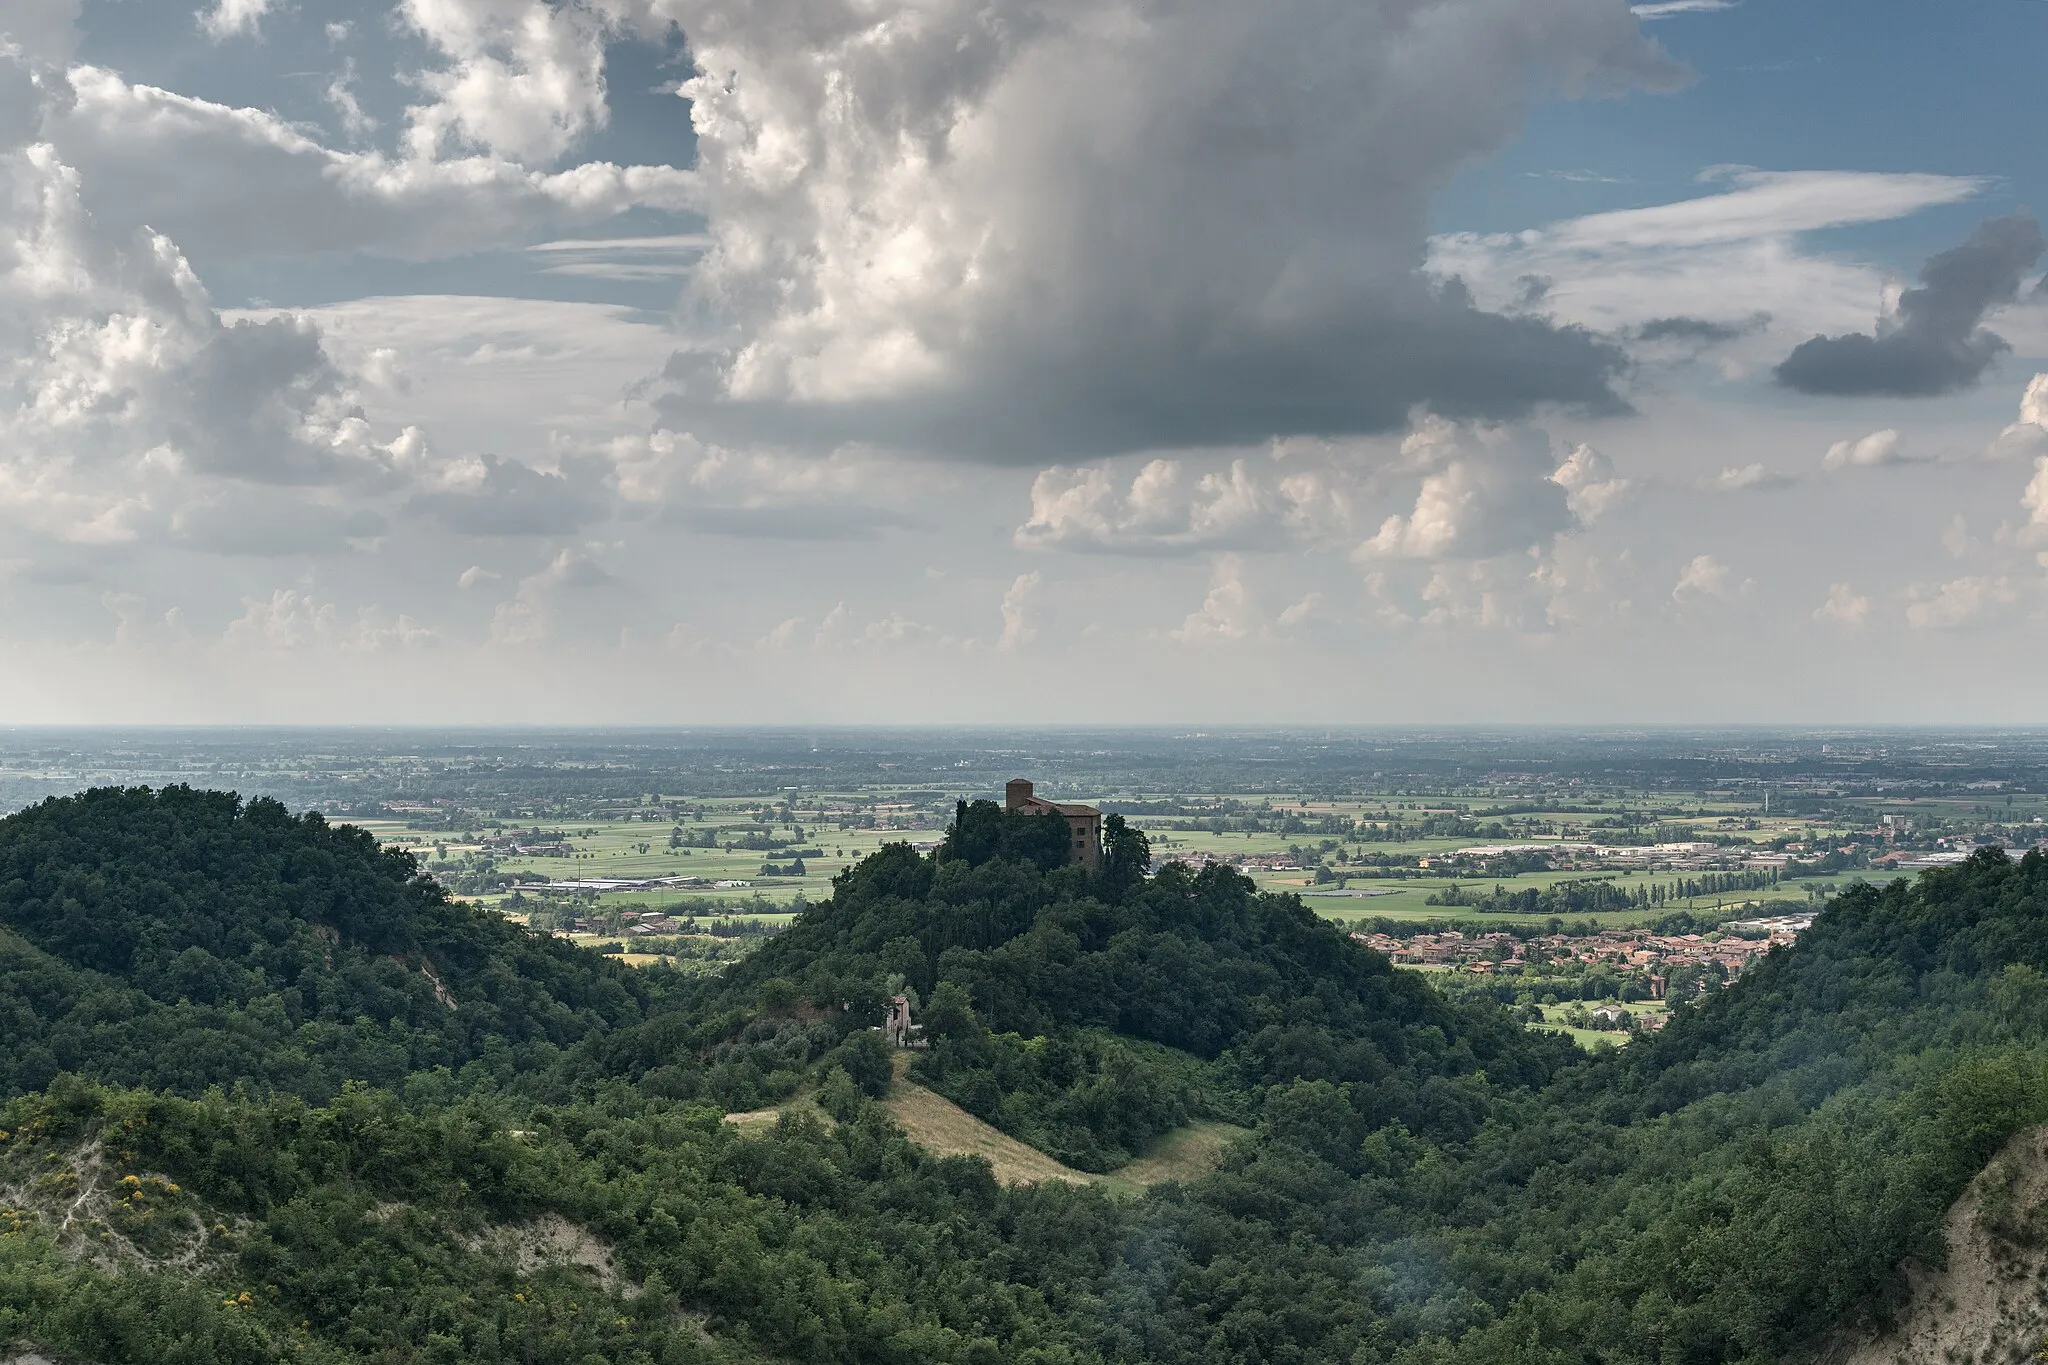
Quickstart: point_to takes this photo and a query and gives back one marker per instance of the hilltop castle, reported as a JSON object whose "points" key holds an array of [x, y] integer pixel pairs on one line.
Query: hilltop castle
{"points": [[1084, 823]]}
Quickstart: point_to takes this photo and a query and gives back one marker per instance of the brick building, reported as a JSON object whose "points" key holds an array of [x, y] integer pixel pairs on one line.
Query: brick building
{"points": [[1084, 823]]}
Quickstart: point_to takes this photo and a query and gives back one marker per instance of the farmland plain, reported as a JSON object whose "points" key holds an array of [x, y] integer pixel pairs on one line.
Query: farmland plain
{"points": [[1364, 824]]}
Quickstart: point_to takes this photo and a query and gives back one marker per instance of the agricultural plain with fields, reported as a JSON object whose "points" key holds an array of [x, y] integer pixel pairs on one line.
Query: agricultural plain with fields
{"points": [[1450, 851]]}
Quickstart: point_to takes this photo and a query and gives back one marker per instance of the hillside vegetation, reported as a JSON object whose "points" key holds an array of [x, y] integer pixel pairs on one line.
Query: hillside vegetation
{"points": [[180, 939], [1989, 1303], [541, 1171], [1087, 1017]]}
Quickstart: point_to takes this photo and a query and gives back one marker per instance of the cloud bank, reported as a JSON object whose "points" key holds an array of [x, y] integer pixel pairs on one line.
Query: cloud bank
{"points": [[1011, 231], [1933, 342]]}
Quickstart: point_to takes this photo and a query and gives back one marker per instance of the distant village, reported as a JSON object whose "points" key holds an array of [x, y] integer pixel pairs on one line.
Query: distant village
{"points": [[1659, 966]]}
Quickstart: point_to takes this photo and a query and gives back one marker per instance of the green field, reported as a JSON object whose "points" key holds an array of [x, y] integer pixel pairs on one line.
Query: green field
{"points": [[640, 848], [1592, 1040], [637, 843]]}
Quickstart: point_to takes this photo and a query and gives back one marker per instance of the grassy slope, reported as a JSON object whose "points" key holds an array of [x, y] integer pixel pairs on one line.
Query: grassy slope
{"points": [[939, 1125], [936, 1123], [1184, 1154]]}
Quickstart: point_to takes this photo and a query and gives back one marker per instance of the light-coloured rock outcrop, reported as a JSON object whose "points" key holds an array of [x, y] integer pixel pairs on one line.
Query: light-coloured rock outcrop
{"points": [[1989, 1305]]}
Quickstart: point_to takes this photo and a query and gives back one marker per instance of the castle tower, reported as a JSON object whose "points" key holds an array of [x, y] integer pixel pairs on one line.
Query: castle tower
{"points": [[1084, 823]]}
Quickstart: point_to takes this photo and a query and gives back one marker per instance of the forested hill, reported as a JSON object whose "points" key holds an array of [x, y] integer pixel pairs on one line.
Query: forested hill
{"points": [[1188, 994], [1420, 1184], [1748, 1184], [178, 939]]}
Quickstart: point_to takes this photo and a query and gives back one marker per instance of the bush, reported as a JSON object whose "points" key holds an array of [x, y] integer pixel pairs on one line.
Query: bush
{"points": [[840, 1097], [867, 1060]]}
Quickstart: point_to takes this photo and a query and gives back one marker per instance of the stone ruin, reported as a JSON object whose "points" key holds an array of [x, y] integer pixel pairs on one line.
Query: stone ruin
{"points": [[897, 1030]]}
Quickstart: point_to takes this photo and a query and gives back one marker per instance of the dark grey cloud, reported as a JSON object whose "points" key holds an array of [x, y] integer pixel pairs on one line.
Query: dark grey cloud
{"points": [[513, 499], [1143, 382], [238, 407], [1936, 343], [1698, 331]]}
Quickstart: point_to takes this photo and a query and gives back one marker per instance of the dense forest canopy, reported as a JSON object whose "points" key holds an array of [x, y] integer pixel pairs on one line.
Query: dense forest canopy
{"points": [[1423, 1184], [1239, 992], [180, 939]]}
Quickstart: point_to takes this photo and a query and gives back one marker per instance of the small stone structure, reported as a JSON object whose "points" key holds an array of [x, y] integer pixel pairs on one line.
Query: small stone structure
{"points": [[897, 1030], [1084, 823]]}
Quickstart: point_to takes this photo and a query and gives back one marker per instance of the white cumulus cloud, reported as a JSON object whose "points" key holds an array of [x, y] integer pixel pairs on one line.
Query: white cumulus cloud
{"points": [[524, 79], [1865, 452], [228, 18], [1104, 227], [2026, 438], [1227, 612], [1019, 603], [1844, 607], [1746, 478], [1590, 484], [2035, 496], [1959, 602], [1490, 491], [1705, 579], [1163, 510], [291, 620], [130, 409]]}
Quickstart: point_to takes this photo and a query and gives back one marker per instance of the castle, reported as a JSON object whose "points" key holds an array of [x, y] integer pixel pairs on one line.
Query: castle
{"points": [[1084, 823]]}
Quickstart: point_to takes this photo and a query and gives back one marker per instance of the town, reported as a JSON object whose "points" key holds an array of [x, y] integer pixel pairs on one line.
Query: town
{"points": [[1623, 965]]}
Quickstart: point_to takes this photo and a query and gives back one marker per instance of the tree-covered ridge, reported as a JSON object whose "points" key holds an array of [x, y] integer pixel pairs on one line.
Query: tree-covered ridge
{"points": [[1424, 1185], [1032, 975], [177, 939], [1735, 1189], [1750, 1182]]}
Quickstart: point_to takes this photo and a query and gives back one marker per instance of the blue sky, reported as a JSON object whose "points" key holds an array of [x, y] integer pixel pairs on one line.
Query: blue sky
{"points": [[1342, 360], [1886, 85]]}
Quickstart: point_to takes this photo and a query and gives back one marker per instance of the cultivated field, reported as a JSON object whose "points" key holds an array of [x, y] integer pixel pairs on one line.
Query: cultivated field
{"points": [[757, 860]]}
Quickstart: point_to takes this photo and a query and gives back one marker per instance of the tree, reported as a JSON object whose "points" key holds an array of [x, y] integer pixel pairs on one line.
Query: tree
{"points": [[951, 1012], [983, 830], [868, 1060], [839, 1096], [1126, 854]]}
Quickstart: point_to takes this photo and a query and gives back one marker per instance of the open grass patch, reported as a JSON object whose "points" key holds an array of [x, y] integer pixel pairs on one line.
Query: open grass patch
{"points": [[1185, 1154], [937, 1124]]}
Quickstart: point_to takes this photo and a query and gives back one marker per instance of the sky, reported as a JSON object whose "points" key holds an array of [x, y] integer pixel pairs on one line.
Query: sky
{"points": [[1042, 361]]}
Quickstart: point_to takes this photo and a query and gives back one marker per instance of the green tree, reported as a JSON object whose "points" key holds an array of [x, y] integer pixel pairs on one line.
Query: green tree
{"points": [[868, 1060], [839, 1096], [1126, 855], [983, 830]]}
